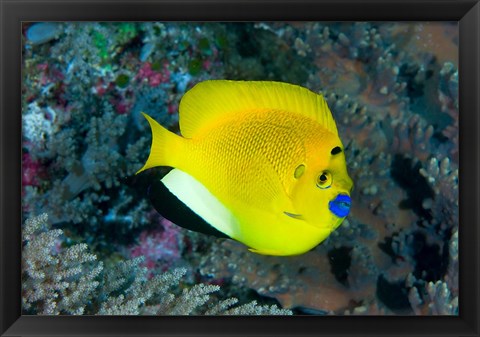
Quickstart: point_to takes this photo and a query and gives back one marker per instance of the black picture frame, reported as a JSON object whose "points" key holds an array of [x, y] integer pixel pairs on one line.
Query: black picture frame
{"points": [[14, 12]]}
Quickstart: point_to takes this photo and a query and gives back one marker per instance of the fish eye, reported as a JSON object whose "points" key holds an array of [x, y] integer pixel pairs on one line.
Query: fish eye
{"points": [[325, 180]]}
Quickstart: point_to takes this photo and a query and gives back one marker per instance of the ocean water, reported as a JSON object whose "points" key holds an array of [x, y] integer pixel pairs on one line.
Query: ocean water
{"points": [[392, 89]]}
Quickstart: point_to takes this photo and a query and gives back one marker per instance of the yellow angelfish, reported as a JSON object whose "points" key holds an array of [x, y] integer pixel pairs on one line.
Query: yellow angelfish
{"points": [[260, 162]]}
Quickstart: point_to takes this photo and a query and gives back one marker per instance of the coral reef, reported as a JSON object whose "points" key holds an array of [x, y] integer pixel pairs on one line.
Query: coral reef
{"points": [[69, 280], [393, 90], [56, 280]]}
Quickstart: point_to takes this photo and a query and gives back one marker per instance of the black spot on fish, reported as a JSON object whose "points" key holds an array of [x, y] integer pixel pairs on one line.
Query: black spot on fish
{"points": [[336, 150]]}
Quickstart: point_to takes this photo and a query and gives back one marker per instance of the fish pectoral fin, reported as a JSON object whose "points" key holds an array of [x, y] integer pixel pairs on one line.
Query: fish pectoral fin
{"points": [[295, 216]]}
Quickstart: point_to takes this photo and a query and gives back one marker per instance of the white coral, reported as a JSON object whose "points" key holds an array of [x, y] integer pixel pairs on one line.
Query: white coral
{"points": [[71, 281], [38, 124]]}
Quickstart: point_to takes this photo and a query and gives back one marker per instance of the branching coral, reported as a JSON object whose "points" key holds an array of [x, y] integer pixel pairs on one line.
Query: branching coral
{"points": [[101, 165], [56, 280], [433, 299], [68, 280]]}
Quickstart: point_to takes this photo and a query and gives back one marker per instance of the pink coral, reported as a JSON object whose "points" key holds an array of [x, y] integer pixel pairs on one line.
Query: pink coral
{"points": [[32, 171], [154, 78], [49, 74], [161, 245]]}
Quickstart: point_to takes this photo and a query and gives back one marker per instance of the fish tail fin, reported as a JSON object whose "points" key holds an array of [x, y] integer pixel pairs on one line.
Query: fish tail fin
{"points": [[161, 152]]}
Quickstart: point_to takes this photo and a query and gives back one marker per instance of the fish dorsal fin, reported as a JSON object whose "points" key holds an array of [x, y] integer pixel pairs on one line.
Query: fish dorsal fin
{"points": [[213, 100]]}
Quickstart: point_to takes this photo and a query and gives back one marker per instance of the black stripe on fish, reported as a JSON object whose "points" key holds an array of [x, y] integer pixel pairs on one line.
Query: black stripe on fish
{"points": [[336, 150], [171, 208]]}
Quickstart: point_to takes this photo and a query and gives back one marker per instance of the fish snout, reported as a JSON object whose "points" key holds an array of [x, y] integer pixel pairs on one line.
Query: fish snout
{"points": [[340, 206]]}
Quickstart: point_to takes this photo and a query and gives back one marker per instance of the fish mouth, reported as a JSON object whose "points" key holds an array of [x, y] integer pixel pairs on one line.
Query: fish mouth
{"points": [[340, 206]]}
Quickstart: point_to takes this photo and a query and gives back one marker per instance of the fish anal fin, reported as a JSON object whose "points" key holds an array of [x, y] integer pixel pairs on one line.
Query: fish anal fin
{"points": [[266, 252]]}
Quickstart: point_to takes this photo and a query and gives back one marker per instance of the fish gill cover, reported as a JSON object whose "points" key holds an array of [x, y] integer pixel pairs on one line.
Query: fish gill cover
{"points": [[393, 91]]}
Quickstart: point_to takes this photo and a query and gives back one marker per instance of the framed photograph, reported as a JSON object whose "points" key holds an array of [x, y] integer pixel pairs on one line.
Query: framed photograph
{"points": [[243, 168]]}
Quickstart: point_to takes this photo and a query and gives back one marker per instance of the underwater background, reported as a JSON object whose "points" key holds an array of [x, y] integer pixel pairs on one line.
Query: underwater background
{"points": [[92, 242]]}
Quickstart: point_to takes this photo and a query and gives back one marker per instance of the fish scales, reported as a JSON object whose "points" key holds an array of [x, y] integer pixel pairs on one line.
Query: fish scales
{"points": [[242, 148]]}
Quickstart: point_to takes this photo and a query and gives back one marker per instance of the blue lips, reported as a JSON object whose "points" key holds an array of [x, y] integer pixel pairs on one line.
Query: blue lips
{"points": [[340, 206]]}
